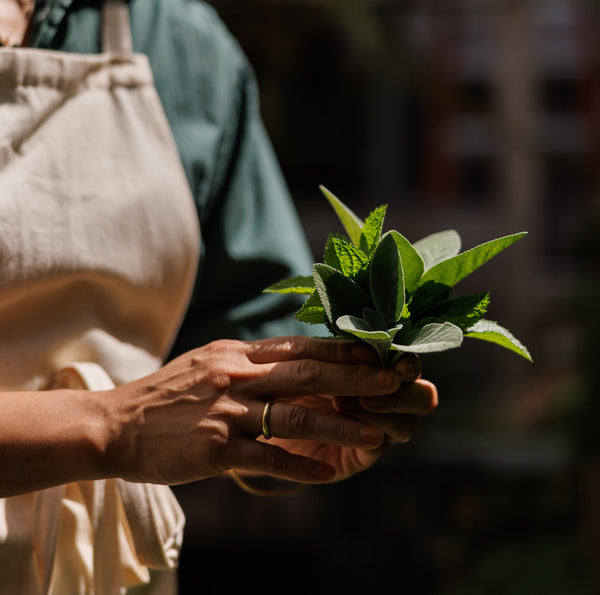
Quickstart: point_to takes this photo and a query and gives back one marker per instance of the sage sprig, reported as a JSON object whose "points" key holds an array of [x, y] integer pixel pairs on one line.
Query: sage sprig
{"points": [[379, 288]]}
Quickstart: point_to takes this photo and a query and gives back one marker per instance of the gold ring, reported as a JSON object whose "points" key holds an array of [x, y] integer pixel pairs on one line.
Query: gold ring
{"points": [[265, 420]]}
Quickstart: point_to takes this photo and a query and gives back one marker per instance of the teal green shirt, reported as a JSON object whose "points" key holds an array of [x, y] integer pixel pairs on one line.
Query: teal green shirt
{"points": [[251, 235]]}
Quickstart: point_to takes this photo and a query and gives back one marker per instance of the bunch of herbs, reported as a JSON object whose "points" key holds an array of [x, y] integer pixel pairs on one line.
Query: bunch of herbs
{"points": [[379, 288]]}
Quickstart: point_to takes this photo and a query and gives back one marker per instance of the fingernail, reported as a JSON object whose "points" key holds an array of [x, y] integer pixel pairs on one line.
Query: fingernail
{"points": [[413, 370], [324, 472], [387, 378], [408, 367], [371, 436]]}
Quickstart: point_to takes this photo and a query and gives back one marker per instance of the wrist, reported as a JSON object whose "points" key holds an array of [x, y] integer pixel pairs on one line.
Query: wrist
{"points": [[97, 432], [109, 448]]}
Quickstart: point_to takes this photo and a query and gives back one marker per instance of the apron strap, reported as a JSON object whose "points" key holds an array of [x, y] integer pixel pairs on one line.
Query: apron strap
{"points": [[116, 27]]}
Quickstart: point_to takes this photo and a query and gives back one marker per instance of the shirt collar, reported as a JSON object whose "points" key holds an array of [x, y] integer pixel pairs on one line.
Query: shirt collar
{"points": [[47, 18]]}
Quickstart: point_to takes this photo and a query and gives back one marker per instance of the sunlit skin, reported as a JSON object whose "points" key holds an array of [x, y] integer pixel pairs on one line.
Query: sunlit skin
{"points": [[396, 415], [201, 414], [212, 400]]}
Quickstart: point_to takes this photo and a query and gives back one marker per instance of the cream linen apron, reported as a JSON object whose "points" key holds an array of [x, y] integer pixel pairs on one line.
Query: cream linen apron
{"points": [[99, 245]]}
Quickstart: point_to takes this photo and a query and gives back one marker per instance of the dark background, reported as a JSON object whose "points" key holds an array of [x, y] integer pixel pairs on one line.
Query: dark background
{"points": [[483, 116]]}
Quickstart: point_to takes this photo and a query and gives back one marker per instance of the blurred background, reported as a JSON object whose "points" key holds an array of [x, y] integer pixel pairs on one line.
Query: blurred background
{"points": [[477, 115]]}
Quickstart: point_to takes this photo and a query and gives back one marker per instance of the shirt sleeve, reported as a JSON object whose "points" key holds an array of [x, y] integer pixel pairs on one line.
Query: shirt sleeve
{"points": [[251, 234]]}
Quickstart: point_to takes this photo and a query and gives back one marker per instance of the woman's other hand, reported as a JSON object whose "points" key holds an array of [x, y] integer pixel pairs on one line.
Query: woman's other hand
{"points": [[395, 414]]}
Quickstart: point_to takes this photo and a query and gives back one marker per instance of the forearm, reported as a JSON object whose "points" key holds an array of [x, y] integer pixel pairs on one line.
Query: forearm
{"points": [[50, 438]]}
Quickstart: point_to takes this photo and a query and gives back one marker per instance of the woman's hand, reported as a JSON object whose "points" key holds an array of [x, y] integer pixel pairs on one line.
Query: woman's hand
{"points": [[394, 414], [200, 414]]}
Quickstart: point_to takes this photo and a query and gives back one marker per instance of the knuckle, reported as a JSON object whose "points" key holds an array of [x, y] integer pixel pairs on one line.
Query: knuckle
{"points": [[224, 346], [308, 372], [340, 430], [215, 435], [217, 378], [298, 347], [199, 354], [356, 376], [301, 420]]}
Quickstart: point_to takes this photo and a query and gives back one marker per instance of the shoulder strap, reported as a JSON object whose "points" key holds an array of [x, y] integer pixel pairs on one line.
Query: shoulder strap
{"points": [[116, 27]]}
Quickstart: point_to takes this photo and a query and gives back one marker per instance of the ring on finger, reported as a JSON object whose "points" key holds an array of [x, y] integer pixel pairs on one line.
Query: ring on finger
{"points": [[266, 430]]}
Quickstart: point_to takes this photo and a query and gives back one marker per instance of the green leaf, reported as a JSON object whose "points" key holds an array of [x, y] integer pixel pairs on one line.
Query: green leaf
{"points": [[339, 295], [314, 315], [371, 231], [394, 331], [343, 255], [300, 284], [387, 280], [352, 224], [488, 330], [463, 311], [451, 271], [412, 263], [438, 247], [427, 297], [312, 311], [430, 338], [361, 329], [374, 319]]}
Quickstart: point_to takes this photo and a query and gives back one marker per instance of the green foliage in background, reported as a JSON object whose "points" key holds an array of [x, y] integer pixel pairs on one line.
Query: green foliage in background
{"points": [[396, 296]]}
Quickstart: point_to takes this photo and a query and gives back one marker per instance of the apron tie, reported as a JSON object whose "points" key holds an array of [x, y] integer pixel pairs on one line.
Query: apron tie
{"points": [[107, 533]]}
